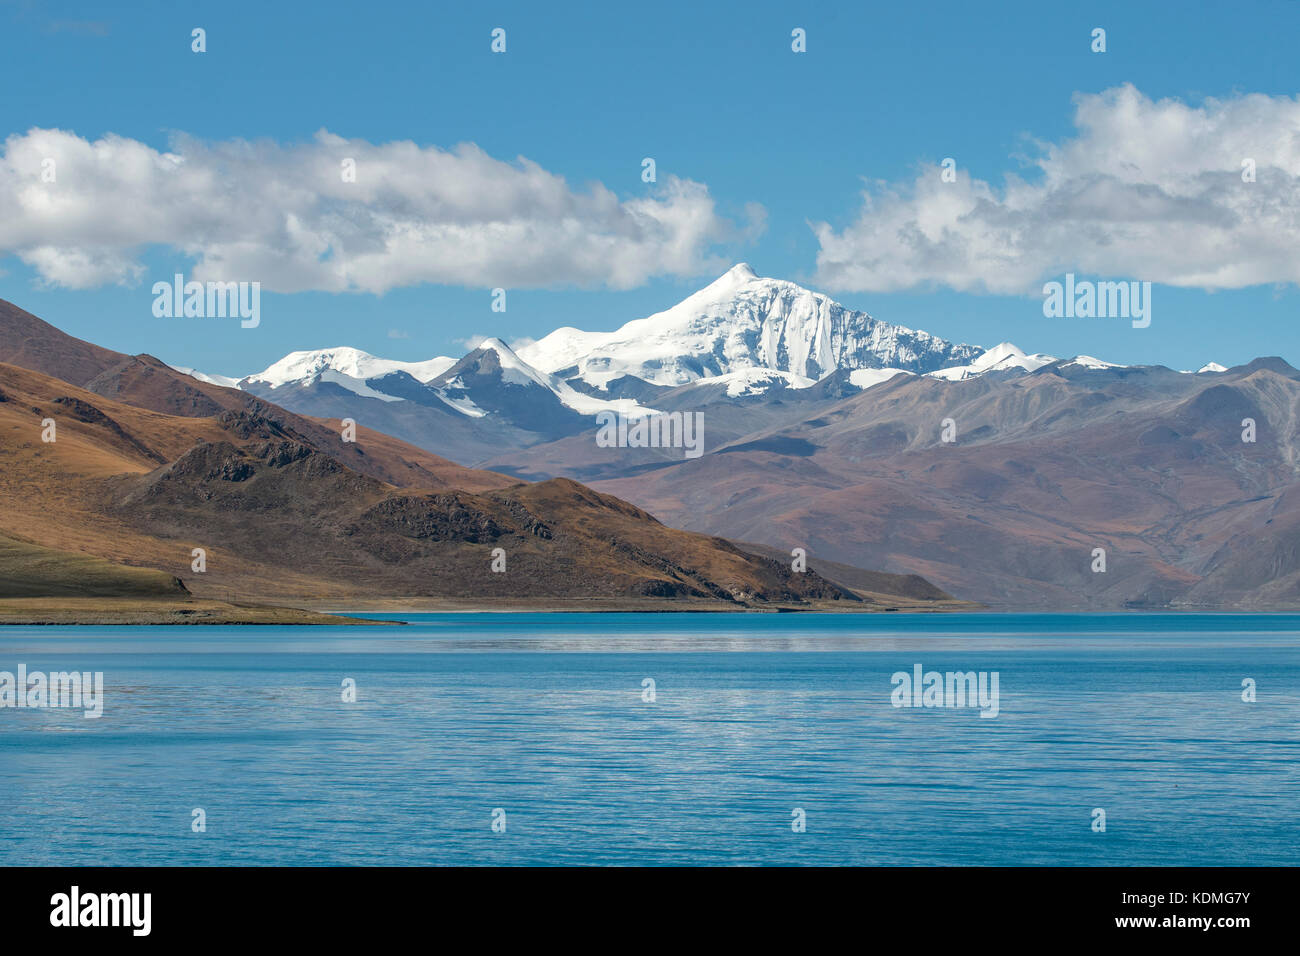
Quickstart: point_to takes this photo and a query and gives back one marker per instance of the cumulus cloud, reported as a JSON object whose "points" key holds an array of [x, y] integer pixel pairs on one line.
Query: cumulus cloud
{"points": [[1147, 190], [285, 216]]}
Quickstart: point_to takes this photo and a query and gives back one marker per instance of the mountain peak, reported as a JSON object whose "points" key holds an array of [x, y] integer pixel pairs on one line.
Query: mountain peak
{"points": [[306, 363], [742, 321], [1001, 351], [352, 362], [496, 345], [509, 366], [1002, 357], [727, 283]]}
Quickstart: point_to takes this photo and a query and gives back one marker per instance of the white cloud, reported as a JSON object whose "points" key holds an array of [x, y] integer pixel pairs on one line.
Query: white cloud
{"points": [[284, 216], [1148, 190]]}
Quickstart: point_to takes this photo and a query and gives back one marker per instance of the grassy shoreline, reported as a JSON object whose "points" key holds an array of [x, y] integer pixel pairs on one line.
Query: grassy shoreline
{"points": [[127, 611], [30, 611]]}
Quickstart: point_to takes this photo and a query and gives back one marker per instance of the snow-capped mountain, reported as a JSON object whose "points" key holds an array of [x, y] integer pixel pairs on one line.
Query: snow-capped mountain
{"points": [[1087, 361], [1000, 358], [739, 322], [354, 363], [494, 379], [740, 337]]}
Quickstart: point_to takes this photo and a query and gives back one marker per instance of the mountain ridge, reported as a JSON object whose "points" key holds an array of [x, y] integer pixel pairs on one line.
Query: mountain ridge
{"points": [[742, 331]]}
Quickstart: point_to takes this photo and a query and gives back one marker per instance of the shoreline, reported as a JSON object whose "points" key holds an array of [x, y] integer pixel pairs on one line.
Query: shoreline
{"points": [[108, 612], [83, 611]]}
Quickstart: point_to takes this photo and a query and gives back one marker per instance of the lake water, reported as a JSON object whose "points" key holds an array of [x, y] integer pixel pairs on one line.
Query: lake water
{"points": [[543, 716]]}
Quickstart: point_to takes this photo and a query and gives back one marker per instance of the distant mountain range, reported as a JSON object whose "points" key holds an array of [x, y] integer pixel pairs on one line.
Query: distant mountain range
{"points": [[740, 337], [824, 429]]}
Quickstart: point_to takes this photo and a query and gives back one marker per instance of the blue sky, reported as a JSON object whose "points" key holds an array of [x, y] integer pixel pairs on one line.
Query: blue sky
{"points": [[712, 91]]}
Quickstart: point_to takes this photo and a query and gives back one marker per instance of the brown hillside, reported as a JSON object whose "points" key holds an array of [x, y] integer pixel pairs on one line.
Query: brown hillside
{"points": [[277, 514], [34, 344]]}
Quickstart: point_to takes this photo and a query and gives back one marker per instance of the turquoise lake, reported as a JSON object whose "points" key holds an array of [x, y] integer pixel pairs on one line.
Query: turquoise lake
{"points": [[545, 717]]}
